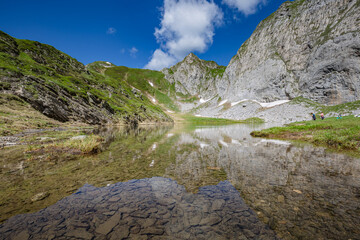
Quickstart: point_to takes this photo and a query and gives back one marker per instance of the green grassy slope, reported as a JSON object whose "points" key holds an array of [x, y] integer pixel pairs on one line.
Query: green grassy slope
{"points": [[151, 83], [64, 89]]}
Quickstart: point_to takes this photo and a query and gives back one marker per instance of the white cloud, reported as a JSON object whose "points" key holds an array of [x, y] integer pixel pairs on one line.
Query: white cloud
{"points": [[111, 30], [160, 60], [133, 52], [186, 26], [247, 7]]}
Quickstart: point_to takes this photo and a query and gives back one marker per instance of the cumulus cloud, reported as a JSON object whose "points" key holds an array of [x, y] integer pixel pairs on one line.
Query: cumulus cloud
{"points": [[247, 7], [111, 30], [133, 52], [186, 26], [160, 60]]}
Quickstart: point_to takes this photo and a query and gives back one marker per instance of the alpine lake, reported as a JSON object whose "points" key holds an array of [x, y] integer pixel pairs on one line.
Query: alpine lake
{"points": [[181, 182]]}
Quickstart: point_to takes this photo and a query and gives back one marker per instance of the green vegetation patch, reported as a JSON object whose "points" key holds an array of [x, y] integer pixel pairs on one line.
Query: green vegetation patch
{"points": [[341, 134], [142, 79], [217, 71], [341, 108], [344, 108], [7, 63], [208, 121], [324, 36], [306, 101], [166, 101], [139, 78], [295, 4], [254, 120], [189, 99]]}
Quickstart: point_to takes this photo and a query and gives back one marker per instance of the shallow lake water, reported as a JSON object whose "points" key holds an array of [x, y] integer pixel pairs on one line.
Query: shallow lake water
{"points": [[182, 182]]}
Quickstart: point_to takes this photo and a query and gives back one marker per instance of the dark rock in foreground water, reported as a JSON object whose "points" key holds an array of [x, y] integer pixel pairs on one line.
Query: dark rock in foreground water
{"points": [[155, 208]]}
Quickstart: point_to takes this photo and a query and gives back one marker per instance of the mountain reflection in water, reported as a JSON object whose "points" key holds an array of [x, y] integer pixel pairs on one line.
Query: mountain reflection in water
{"points": [[300, 191]]}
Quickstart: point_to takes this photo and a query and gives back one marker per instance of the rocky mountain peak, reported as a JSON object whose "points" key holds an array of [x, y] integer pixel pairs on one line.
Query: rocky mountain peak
{"points": [[191, 57], [194, 76]]}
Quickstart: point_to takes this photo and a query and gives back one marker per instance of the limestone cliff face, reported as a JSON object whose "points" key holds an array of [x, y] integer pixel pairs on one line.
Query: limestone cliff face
{"points": [[308, 48], [194, 76]]}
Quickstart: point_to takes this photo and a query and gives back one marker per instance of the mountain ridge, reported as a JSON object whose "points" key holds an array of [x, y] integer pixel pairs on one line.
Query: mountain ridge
{"points": [[61, 88]]}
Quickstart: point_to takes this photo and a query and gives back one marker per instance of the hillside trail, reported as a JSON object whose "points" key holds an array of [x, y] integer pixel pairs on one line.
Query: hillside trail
{"points": [[178, 119]]}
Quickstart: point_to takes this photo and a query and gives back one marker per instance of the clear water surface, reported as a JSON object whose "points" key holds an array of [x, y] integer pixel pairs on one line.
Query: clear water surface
{"points": [[183, 182]]}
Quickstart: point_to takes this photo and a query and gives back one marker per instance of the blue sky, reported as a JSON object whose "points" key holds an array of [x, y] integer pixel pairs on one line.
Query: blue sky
{"points": [[137, 33]]}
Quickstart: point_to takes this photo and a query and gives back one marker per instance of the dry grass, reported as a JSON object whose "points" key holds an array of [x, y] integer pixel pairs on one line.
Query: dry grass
{"points": [[17, 116], [88, 145]]}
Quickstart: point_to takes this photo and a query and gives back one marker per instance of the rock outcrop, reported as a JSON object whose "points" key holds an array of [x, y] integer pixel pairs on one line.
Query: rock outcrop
{"points": [[195, 77]]}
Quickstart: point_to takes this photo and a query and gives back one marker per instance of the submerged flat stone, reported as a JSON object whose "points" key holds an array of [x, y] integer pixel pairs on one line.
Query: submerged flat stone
{"points": [[107, 226]]}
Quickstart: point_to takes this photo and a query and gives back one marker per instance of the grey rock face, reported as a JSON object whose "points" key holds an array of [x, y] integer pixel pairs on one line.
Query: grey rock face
{"points": [[57, 103], [333, 73], [194, 76], [306, 48], [280, 114]]}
